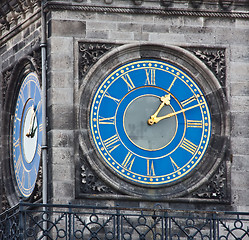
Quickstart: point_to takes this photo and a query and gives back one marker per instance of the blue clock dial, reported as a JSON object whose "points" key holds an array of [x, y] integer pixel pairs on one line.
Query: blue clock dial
{"points": [[150, 122], [27, 134]]}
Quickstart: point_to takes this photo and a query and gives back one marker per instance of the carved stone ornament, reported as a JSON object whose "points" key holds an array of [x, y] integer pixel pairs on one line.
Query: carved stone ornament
{"points": [[14, 12], [195, 3], [215, 60], [89, 182], [5, 203], [89, 53], [6, 79], [216, 188]]}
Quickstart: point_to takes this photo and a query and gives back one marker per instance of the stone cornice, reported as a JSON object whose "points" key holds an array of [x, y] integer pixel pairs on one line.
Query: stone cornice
{"points": [[15, 14], [196, 12]]}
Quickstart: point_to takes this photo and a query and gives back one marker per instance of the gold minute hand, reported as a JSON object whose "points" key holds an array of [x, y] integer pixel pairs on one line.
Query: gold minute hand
{"points": [[157, 119]]}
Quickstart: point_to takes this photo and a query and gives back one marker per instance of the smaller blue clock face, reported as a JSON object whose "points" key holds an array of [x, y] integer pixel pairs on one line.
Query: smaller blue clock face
{"points": [[150, 122], [27, 134]]}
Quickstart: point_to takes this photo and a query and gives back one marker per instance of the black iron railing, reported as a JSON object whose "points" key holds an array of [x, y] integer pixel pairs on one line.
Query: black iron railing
{"points": [[37, 221]]}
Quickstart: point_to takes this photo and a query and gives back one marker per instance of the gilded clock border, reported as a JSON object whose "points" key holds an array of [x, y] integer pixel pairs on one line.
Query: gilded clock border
{"points": [[99, 96]]}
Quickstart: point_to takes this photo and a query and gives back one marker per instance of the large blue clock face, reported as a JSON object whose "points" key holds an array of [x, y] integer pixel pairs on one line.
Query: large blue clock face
{"points": [[150, 122], [27, 134]]}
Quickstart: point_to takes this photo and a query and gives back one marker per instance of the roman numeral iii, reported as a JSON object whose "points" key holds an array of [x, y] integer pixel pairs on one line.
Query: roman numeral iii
{"points": [[188, 146], [110, 143]]}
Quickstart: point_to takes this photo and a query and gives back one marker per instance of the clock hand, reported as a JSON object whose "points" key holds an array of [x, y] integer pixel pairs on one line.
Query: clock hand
{"points": [[165, 101], [31, 131], [30, 125], [157, 119]]}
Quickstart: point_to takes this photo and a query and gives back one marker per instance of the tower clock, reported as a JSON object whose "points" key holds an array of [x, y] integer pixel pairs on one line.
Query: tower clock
{"points": [[27, 134], [150, 122], [154, 120]]}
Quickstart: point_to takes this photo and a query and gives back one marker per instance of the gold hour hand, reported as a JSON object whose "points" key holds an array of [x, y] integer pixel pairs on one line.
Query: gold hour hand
{"points": [[165, 101], [157, 119]]}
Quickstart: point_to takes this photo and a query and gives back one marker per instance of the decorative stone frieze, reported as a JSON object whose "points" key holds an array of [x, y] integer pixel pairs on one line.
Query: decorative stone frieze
{"points": [[13, 13]]}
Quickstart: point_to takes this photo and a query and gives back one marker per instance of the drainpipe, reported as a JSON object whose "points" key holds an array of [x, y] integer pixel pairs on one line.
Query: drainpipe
{"points": [[44, 104]]}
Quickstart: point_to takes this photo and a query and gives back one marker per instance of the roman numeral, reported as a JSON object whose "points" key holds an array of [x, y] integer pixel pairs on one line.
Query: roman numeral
{"points": [[34, 93], [174, 164], [39, 150], [40, 127], [188, 101], [128, 161], [18, 164], [23, 177], [22, 97], [16, 143], [110, 143], [113, 98], [128, 81], [29, 90], [172, 83], [150, 77], [38, 106], [109, 120], [194, 123], [150, 168], [188, 146], [29, 180]]}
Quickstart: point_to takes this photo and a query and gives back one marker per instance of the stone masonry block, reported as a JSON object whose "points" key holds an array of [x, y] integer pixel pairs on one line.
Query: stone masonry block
{"points": [[240, 200], [121, 35], [94, 25], [113, 17], [167, 38], [240, 145], [62, 79], [128, 27], [214, 22], [61, 117], [176, 21], [56, 63], [240, 180], [240, 88], [63, 172], [61, 138], [239, 53], [240, 104], [59, 95], [66, 28], [62, 156], [100, 34], [62, 45], [240, 164], [62, 191], [239, 71], [158, 28]]}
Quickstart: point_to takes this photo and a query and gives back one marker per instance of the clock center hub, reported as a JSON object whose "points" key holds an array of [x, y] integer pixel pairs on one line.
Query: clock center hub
{"points": [[141, 134]]}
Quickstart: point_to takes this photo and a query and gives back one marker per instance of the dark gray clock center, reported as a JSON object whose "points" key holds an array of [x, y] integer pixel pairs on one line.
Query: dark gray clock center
{"points": [[137, 129]]}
